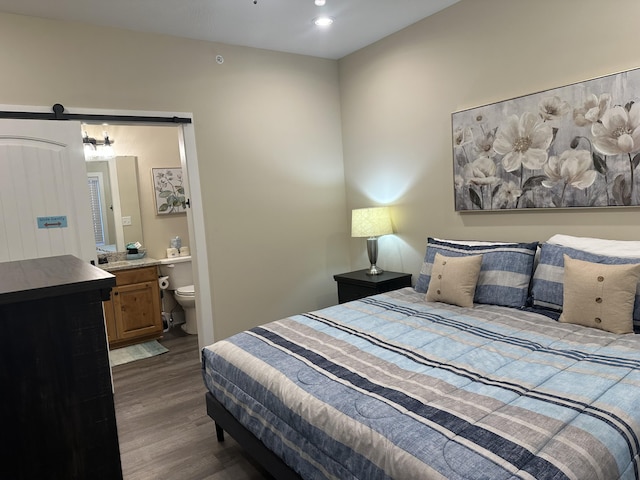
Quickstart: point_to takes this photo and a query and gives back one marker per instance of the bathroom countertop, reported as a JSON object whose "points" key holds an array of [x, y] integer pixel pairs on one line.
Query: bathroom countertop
{"points": [[129, 264]]}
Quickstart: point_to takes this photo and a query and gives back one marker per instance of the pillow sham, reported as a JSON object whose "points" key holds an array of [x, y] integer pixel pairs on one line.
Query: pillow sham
{"points": [[547, 285], [598, 295], [454, 279], [505, 272], [599, 246]]}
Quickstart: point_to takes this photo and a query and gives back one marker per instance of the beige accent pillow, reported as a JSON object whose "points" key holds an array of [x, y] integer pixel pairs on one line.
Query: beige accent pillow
{"points": [[454, 279], [599, 296]]}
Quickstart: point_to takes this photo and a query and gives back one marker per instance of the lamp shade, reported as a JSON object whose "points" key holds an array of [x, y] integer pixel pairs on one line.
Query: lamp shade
{"points": [[371, 222]]}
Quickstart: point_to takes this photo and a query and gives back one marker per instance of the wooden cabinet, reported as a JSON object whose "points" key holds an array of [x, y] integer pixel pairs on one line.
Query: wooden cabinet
{"points": [[133, 313], [356, 285], [56, 408]]}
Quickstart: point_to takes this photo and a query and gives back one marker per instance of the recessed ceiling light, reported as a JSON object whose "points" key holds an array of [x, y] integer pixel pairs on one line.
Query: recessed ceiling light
{"points": [[323, 21], [320, 3]]}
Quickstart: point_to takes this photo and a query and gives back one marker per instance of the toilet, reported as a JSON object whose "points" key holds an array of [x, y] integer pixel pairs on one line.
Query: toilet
{"points": [[180, 274]]}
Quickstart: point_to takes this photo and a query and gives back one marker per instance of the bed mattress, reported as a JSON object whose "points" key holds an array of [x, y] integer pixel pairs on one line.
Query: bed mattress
{"points": [[392, 387]]}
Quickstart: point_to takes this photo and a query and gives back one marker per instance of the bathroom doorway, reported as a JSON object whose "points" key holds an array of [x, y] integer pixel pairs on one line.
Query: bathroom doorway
{"points": [[147, 167], [166, 146], [195, 216]]}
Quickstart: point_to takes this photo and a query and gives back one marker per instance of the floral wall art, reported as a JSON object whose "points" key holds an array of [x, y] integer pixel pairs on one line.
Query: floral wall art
{"points": [[573, 146], [168, 190]]}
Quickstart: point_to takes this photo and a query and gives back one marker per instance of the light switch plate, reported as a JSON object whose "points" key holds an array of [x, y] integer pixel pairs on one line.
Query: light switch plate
{"points": [[126, 221]]}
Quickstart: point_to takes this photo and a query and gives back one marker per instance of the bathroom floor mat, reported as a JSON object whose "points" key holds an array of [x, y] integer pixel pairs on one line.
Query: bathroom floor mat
{"points": [[132, 353]]}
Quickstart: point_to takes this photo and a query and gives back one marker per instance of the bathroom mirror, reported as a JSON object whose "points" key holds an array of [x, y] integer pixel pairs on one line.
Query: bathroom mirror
{"points": [[115, 202]]}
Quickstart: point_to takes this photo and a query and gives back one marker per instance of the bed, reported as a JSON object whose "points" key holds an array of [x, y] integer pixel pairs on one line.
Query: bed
{"points": [[481, 375]]}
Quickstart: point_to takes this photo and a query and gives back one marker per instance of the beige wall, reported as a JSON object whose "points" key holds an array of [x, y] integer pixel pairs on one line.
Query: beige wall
{"points": [[398, 96], [268, 138]]}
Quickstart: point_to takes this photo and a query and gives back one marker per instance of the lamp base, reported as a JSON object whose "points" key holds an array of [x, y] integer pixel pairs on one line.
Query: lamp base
{"points": [[372, 253], [374, 270]]}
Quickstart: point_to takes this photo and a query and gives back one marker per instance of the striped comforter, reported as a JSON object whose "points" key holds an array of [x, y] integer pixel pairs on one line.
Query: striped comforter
{"points": [[393, 387]]}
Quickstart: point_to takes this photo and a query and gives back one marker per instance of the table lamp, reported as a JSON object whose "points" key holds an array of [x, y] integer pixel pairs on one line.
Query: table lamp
{"points": [[371, 223]]}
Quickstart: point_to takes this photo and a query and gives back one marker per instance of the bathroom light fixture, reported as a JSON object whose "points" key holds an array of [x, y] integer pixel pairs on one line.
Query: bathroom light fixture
{"points": [[323, 21], [320, 3], [107, 148], [371, 223], [97, 149]]}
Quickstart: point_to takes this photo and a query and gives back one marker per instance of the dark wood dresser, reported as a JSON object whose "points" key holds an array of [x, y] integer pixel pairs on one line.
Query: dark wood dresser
{"points": [[56, 402]]}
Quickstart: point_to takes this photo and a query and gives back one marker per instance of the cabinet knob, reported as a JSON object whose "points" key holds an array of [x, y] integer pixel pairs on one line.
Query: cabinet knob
{"points": [[115, 293]]}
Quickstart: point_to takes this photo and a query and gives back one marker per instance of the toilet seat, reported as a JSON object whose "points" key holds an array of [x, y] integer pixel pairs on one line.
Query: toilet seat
{"points": [[187, 291]]}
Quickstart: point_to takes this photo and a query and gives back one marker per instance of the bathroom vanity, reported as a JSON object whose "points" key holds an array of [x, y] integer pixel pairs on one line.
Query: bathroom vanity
{"points": [[133, 311], [56, 408]]}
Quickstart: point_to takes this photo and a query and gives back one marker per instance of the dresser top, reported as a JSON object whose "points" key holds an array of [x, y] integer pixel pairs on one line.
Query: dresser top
{"points": [[37, 278]]}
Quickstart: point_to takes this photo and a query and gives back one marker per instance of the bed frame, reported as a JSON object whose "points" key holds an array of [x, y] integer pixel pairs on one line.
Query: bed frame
{"points": [[225, 422]]}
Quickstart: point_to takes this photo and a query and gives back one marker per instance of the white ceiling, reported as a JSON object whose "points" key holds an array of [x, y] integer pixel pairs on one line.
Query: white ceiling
{"points": [[282, 25]]}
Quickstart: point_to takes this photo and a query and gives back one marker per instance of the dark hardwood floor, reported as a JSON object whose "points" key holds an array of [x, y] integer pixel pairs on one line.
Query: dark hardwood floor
{"points": [[164, 431]]}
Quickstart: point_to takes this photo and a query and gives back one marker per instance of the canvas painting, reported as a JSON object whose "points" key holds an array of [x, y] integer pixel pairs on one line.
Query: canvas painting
{"points": [[169, 190], [573, 146]]}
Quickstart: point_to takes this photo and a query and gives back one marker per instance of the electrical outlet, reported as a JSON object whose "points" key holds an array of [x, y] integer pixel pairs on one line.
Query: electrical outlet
{"points": [[126, 221]]}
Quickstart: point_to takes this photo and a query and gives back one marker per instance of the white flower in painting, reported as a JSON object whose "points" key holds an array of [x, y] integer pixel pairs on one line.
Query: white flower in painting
{"points": [[591, 110], [572, 167], [481, 171], [462, 136], [523, 141], [458, 182], [507, 194], [619, 131], [551, 108], [484, 146]]}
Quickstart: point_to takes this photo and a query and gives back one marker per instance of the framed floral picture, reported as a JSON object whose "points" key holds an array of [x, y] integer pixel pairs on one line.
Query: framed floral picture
{"points": [[168, 191], [573, 146]]}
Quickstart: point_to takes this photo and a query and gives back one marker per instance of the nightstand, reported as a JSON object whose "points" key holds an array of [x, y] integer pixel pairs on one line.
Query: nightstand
{"points": [[355, 285]]}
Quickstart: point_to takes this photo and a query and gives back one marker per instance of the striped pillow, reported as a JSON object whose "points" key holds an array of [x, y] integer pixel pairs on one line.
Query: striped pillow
{"points": [[504, 275], [547, 284]]}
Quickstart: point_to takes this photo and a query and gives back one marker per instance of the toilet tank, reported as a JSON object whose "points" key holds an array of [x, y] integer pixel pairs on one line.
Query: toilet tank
{"points": [[179, 271]]}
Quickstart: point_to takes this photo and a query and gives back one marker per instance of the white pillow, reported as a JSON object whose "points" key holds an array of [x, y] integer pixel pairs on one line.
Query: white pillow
{"points": [[599, 246], [473, 243]]}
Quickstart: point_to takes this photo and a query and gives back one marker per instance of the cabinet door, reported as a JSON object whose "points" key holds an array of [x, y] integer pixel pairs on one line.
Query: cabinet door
{"points": [[137, 310]]}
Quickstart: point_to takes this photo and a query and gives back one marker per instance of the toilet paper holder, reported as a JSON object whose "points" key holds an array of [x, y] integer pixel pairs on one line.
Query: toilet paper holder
{"points": [[163, 282]]}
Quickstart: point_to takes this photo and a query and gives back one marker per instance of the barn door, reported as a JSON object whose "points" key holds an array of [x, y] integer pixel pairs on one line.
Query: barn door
{"points": [[44, 193]]}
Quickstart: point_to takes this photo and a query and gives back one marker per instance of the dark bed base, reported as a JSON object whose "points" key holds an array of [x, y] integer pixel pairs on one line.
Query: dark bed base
{"points": [[266, 458]]}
